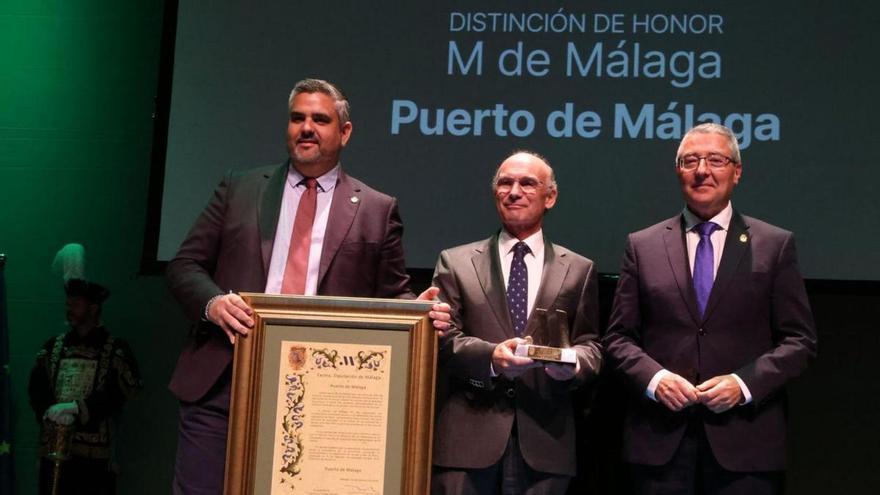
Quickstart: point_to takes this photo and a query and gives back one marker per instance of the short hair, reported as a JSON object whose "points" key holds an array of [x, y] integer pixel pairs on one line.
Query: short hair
{"points": [[343, 108], [550, 185], [713, 128]]}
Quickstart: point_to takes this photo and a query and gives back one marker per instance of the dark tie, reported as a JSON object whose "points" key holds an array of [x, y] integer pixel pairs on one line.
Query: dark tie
{"points": [[294, 281], [518, 288], [704, 264]]}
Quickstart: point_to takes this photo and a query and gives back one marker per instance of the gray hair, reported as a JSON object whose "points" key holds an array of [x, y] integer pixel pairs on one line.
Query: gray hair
{"points": [[343, 109], [550, 185], [713, 128]]}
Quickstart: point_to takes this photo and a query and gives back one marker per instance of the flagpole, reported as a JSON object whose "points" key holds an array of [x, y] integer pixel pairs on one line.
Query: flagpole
{"points": [[6, 470]]}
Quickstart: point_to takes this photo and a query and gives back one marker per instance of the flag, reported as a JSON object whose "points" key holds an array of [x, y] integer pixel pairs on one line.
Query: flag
{"points": [[5, 391]]}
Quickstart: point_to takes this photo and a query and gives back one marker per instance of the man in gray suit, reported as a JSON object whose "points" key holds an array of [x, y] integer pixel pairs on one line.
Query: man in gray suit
{"points": [[710, 321], [504, 423]]}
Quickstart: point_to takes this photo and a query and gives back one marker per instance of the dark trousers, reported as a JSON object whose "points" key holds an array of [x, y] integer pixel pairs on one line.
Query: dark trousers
{"points": [[510, 476], [201, 445], [694, 470], [79, 477]]}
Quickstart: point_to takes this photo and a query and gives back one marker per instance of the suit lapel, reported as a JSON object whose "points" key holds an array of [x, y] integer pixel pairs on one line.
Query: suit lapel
{"points": [[676, 253], [342, 212], [488, 268], [555, 269], [735, 246], [269, 209]]}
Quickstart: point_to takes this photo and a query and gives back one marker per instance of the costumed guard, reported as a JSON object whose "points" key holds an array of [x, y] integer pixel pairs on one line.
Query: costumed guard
{"points": [[79, 383]]}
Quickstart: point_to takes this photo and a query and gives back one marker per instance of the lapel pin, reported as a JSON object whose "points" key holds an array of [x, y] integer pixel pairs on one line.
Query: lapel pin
{"points": [[354, 199], [743, 238]]}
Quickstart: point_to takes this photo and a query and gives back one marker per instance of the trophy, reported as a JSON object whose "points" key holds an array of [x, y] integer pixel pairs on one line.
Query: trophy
{"points": [[549, 342]]}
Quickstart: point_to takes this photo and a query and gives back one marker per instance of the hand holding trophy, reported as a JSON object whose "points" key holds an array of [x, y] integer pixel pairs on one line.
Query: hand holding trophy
{"points": [[550, 341]]}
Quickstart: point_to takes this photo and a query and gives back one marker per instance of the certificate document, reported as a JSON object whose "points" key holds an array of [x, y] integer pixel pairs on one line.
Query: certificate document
{"points": [[331, 419]]}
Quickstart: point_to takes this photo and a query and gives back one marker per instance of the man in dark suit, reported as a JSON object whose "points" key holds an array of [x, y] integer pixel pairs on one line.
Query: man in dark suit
{"points": [[504, 423], [304, 227], [710, 321]]}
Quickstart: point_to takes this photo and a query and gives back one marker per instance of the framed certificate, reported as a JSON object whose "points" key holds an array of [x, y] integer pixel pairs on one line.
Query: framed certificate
{"points": [[332, 395]]}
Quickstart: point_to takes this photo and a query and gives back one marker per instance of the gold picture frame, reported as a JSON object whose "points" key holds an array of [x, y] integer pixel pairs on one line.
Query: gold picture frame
{"points": [[305, 327]]}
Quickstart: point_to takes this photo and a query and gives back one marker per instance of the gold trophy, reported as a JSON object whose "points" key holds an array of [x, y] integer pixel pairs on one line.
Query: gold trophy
{"points": [[550, 341]]}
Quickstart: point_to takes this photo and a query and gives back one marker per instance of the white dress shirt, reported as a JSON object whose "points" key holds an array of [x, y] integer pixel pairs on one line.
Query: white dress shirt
{"points": [[293, 190], [692, 237]]}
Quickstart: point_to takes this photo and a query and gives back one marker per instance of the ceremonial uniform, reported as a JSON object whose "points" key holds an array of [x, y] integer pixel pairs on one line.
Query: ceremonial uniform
{"points": [[99, 373]]}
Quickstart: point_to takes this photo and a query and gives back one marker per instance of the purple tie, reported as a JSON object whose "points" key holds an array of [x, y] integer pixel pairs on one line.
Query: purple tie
{"points": [[704, 264], [518, 288]]}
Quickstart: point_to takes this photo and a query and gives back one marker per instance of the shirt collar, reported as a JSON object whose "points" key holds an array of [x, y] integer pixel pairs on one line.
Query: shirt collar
{"points": [[326, 182], [535, 242], [722, 219]]}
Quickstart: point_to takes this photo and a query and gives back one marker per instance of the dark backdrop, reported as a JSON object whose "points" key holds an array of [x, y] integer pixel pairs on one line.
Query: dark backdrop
{"points": [[807, 64]]}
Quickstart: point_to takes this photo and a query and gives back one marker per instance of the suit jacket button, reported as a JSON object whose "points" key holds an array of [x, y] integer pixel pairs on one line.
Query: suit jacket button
{"points": [[702, 332], [511, 392]]}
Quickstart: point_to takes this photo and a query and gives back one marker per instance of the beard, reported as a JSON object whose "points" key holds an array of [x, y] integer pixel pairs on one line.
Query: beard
{"points": [[306, 158], [315, 155]]}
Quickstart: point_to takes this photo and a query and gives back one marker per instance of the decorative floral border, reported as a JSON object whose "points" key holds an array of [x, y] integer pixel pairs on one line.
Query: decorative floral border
{"points": [[370, 360], [325, 358], [291, 424]]}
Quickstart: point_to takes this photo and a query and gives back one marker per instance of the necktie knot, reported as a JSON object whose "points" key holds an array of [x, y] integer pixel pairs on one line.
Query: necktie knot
{"points": [[310, 183], [520, 249], [706, 228]]}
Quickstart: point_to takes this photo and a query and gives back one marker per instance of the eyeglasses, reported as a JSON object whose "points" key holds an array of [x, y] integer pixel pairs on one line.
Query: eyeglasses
{"points": [[528, 185], [691, 161]]}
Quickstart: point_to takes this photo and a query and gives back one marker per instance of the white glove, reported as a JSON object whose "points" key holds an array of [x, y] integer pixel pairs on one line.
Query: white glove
{"points": [[62, 413], [65, 419]]}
